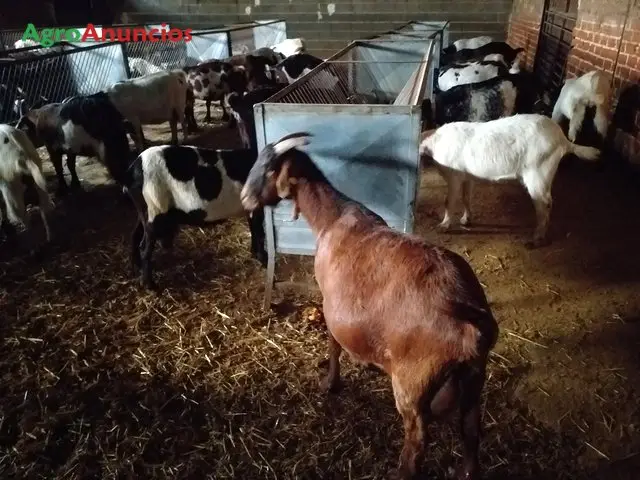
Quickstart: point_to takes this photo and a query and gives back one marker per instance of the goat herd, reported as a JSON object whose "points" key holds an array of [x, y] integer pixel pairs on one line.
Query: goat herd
{"points": [[415, 310]]}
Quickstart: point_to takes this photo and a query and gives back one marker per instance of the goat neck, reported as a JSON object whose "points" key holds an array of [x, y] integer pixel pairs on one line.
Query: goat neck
{"points": [[314, 197]]}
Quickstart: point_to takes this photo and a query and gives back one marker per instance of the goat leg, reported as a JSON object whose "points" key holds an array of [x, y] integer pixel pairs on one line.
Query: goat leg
{"points": [[466, 200], [147, 252], [173, 124], [137, 237], [256, 227], [331, 383], [470, 425], [56, 159], [408, 405], [71, 165], [207, 117]]}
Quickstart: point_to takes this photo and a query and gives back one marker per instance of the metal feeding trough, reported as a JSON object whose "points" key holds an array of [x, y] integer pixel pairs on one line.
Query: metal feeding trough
{"points": [[363, 108]]}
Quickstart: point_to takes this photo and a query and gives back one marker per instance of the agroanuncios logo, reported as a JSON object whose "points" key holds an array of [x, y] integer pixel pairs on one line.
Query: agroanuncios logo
{"points": [[48, 36]]}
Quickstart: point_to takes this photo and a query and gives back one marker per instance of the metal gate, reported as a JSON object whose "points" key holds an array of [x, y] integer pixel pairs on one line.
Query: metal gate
{"points": [[554, 43]]}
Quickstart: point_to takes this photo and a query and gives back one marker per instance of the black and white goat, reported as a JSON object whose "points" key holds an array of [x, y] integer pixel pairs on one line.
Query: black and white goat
{"points": [[295, 66], [184, 185], [463, 43], [195, 186], [470, 72], [21, 174], [484, 101], [242, 108], [592, 89], [489, 51], [290, 47], [83, 125]]}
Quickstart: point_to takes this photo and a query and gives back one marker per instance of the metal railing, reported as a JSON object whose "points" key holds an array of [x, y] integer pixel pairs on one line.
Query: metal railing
{"points": [[57, 75], [75, 68]]}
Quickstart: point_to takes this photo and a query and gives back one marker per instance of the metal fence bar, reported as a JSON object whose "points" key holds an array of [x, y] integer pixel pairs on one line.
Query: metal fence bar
{"points": [[55, 76]]}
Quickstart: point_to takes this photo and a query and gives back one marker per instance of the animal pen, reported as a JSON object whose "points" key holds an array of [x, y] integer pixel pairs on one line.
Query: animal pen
{"points": [[76, 68], [368, 150]]}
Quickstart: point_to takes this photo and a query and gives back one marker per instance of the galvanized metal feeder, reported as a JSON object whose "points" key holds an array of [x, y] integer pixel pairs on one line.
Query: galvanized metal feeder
{"points": [[363, 107]]}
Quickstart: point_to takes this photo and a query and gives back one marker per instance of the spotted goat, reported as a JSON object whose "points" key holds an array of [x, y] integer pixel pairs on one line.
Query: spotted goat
{"points": [[82, 125], [184, 185]]}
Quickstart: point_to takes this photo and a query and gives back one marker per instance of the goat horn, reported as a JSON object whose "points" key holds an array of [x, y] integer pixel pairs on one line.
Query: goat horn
{"points": [[290, 141]]}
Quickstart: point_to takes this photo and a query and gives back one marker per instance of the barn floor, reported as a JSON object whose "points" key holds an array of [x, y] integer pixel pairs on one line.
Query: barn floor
{"points": [[102, 380]]}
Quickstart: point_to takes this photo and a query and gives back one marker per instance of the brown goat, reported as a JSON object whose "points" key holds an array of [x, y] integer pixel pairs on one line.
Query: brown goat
{"points": [[415, 310]]}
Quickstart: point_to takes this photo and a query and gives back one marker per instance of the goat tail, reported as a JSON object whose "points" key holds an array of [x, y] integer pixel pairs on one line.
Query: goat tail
{"points": [[479, 329], [586, 153]]}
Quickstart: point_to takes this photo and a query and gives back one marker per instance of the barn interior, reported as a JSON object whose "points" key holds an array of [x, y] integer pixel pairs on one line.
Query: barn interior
{"points": [[104, 379]]}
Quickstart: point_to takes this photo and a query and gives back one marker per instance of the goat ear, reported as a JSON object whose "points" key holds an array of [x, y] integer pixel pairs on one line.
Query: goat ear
{"points": [[284, 180], [288, 142]]}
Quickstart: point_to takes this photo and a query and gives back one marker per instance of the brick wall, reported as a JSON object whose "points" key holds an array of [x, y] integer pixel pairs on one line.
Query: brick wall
{"points": [[606, 37], [524, 27], [325, 29]]}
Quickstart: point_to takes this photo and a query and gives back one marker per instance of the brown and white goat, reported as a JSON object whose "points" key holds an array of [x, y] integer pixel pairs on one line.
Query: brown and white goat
{"points": [[413, 309]]}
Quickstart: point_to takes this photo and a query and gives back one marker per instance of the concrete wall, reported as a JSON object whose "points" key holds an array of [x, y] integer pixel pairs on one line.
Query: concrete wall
{"points": [[606, 37], [329, 26]]}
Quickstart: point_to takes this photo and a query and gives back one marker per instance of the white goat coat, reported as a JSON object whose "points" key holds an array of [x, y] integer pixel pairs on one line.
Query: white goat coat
{"points": [[524, 147], [18, 157], [143, 66], [474, 42], [161, 191], [508, 148], [591, 89], [151, 99], [290, 47], [471, 72]]}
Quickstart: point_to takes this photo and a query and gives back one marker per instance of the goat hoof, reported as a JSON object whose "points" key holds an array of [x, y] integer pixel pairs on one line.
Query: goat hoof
{"points": [[149, 285], [443, 227], [261, 257], [330, 385]]}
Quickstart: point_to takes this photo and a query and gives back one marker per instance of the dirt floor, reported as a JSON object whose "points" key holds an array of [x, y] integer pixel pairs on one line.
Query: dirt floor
{"points": [[102, 380]]}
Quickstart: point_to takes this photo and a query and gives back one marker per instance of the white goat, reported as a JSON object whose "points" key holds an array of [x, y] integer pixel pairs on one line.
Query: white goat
{"points": [[152, 99], [142, 66], [525, 147], [470, 72], [18, 158], [290, 47], [19, 44], [474, 42], [591, 89]]}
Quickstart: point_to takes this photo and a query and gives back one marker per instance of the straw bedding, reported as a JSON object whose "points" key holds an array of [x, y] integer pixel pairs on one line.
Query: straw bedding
{"points": [[102, 380]]}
